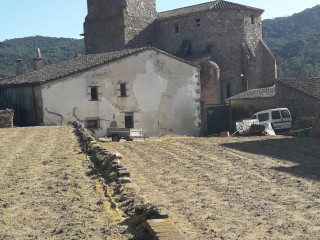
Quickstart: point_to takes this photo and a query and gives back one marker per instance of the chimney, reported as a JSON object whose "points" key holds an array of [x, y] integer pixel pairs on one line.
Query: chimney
{"points": [[19, 67], [37, 61]]}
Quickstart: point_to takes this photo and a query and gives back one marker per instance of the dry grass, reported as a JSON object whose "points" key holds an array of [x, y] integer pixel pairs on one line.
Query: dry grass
{"points": [[231, 188], [48, 190]]}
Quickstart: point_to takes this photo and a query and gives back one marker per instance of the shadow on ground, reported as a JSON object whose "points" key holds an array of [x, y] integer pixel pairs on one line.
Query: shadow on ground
{"points": [[135, 224], [305, 152]]}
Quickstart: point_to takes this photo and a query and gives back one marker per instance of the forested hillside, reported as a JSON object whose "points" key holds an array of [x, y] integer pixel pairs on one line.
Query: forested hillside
{"points": [[53, 50], [295, 42]]}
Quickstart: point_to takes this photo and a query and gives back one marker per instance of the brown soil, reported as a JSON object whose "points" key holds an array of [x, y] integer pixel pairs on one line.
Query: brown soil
{"points": [[48, 189], [231, 188]]}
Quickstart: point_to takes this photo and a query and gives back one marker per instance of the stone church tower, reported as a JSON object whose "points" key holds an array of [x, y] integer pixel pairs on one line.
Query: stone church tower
{"points": [[118, 24], [226, 33]]}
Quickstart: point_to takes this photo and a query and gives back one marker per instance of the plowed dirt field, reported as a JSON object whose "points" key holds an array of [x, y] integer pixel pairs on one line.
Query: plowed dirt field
{"points": [[49, 191], [231, 188]]}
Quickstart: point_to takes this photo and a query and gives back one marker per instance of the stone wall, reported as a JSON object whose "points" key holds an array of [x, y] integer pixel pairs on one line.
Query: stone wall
{"points": [[300, 104], [123, 193], [6, 118], [228, 38], [140, 15], [116, 25]]}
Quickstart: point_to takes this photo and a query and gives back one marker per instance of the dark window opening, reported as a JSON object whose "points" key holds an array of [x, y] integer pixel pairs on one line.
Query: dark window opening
{"points": [[128, 120], [285, 114], [176, 29], [253, 19], [276, 115], [94, 93], [263, 117], [123, 90], [94, 123], [198, 22], [228, 90]]}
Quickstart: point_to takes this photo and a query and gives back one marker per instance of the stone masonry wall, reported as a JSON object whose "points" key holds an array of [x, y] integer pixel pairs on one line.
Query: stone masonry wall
{"points": [[115, 25], [219, 35], [104, 26], [6, 118], [139, 31], [123, 193], [300, 104]]}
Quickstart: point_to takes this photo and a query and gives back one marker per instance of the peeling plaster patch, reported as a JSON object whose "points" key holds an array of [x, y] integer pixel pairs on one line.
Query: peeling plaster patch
{"points": [[184, 107], [148, 89]]}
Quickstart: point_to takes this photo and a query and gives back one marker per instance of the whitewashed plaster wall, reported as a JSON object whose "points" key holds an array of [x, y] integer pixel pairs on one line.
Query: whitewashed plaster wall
{"points": [[163, 94]]}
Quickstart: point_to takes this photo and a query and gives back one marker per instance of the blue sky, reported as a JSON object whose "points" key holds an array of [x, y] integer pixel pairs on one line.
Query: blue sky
{"points": [[64, 18]]}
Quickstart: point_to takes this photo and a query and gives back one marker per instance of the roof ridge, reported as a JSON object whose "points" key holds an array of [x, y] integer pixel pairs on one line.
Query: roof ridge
{"points": [[76, 65], [216, 2], [266, 92], [203, 7], [199, 4], [306, 85]]}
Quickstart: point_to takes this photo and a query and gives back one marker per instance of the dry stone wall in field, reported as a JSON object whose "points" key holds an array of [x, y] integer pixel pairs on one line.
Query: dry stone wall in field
{"points": [[123, 193]]}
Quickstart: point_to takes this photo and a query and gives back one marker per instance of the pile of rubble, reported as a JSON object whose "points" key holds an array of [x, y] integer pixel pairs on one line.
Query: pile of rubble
{"points": [[6, 118]]}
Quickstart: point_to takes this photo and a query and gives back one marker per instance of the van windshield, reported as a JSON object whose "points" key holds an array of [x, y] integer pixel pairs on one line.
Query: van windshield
{"points": [[263, 117]]}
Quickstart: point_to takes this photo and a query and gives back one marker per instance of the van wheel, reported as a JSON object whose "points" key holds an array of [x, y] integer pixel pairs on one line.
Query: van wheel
{"points": [[115, 138]]}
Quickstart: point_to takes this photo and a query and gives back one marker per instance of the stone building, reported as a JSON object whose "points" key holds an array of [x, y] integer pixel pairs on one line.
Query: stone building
{"points": [[301, 95], [227, 33], [137, 88], [245, 104]]}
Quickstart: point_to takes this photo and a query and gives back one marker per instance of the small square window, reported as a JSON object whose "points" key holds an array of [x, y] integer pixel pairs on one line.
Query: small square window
{"points": [[198, 22], [94, 93], [93, 123], [128, 120], [123, 90], [176, 29]]}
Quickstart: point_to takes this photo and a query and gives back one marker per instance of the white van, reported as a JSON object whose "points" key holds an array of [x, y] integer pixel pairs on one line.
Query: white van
{"points": [[280, 118]]}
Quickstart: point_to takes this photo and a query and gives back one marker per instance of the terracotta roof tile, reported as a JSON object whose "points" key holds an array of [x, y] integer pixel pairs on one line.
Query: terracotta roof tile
{"points": [[72, 66], [256, 93], [308, 85], [209, 6]]}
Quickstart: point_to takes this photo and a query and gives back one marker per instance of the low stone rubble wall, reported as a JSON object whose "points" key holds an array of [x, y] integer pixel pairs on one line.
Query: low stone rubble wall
{"points": [[6, 118], [126, 195]]}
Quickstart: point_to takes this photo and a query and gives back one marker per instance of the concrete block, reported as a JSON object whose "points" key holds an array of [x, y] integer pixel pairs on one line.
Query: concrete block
{"points": [[164, 229]]}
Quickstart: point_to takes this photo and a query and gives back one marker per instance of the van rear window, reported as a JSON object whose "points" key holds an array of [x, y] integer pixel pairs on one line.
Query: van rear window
{"points": [[285, 114], [263, 117], [276, 115]]}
